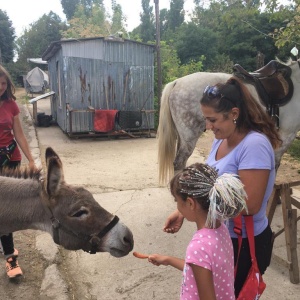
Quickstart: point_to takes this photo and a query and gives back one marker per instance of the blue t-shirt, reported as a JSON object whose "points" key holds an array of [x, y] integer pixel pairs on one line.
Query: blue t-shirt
{"points": [[253, 152]]}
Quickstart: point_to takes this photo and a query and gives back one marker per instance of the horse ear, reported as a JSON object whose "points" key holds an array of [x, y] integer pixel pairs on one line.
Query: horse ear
{"points": [[55, 174]]}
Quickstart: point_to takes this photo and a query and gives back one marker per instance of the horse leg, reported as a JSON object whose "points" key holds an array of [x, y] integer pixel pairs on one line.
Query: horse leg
{"points": [[186, 143]]}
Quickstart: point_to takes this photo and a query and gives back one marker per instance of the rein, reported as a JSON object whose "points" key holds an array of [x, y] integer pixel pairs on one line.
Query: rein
{"points": [[92, 238]]}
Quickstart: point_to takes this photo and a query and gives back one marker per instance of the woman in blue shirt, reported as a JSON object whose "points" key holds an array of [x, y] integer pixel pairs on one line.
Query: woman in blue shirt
{"points": [[245, 139]]}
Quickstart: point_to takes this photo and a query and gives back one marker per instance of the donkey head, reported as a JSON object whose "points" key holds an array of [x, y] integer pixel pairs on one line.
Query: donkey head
{"points": [[79, 222]]}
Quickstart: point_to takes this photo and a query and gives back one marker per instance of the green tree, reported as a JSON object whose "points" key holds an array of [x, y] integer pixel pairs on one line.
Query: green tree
{"points": [[170, 62], [245, 33], [147, 26], [243, 29], [70, 7], [37, 38], [175, 15], [288, 35], [192, 67], [83, 26], [221, 63], [272, 5], [265, 42], [239, 36], [193, 42], [7, 37], [118, 20], [209, 17], [163, 20]]}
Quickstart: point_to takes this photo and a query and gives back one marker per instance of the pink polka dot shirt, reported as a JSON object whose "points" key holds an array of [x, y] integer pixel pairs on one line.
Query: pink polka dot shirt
{"points": [[210, 249]]}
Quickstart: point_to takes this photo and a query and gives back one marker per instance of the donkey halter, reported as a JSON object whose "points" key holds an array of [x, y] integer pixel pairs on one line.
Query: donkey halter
{"points": [[92, 238]]}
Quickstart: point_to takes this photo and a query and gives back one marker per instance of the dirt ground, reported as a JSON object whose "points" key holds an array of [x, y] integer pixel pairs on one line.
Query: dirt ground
{"points": [[31, 261]]}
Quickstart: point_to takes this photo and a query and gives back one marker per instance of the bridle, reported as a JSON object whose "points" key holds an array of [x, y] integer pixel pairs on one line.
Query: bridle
{"points": [[93, 239]]}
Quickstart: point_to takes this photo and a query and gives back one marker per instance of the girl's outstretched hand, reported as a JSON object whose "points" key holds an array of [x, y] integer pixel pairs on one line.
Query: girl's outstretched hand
{"points": [[173, 222], [157, 259]]}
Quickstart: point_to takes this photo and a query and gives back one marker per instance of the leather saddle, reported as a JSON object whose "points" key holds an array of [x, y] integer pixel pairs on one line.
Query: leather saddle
{"points": [[273, 84]]}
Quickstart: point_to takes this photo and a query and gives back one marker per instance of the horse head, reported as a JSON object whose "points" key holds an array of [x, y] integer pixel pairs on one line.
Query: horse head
{"points": [[78, 221]]}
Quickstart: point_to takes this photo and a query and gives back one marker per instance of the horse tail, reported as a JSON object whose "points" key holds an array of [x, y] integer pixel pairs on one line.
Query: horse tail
{"points": [[167, 136]]}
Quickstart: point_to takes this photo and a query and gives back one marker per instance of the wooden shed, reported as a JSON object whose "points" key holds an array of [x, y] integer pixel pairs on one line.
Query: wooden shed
{"points": [[101, 85]]}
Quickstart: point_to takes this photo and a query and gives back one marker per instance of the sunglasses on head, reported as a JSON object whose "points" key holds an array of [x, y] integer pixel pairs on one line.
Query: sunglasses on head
{"points": [[212, 91]]}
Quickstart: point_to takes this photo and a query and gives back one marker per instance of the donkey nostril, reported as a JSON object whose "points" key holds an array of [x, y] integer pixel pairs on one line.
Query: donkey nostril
{"points": [[128, 241]]}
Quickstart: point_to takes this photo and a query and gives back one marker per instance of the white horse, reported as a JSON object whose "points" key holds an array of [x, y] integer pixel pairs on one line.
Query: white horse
{"points": [[181, 121]]}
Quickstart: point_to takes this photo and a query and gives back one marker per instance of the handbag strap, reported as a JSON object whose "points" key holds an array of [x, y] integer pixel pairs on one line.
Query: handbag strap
{"points": [[238, 230], [250, 233]]}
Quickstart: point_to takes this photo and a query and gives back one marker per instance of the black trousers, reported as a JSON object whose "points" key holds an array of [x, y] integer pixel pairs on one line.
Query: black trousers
{"points": [[263, 252], [7, 241]]}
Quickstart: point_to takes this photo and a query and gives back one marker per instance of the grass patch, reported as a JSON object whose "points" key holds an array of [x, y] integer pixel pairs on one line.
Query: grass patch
{"points": [[294, 149], [22, 96]]}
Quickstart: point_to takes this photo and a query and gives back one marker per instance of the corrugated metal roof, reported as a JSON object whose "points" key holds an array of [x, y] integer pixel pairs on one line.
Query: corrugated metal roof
{"points": [[56, 45]]}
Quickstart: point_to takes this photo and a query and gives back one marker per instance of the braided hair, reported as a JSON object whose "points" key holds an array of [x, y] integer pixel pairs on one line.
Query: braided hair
{"points": [[222, 196]]}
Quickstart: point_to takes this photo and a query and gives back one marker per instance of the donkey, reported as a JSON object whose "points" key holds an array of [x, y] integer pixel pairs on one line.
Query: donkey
{"points": [[70, 214]]}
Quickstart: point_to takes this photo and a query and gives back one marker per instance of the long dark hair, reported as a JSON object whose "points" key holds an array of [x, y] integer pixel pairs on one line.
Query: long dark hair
{"points": [[223, 97], [10, 91]]}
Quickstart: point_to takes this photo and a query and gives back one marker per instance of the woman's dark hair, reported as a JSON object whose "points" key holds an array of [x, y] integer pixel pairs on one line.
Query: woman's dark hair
{"points": [[223, 97], [10, 91]]}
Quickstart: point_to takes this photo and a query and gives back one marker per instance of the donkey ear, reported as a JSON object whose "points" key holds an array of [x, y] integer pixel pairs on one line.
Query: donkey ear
{"points": [[50, 153], [55, 174]]}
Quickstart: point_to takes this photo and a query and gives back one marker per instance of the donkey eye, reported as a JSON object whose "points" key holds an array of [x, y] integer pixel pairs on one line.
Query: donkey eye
{"points": [[80, 213]]}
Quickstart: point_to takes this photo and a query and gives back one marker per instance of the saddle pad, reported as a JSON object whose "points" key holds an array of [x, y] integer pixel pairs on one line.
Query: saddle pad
{"points": [[104, 120], [129, 119]]}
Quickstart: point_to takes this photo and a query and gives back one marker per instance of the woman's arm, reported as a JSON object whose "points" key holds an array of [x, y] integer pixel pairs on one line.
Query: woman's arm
{"points": [[21, 140], [173, 222], [204, 281], [255, 182]]}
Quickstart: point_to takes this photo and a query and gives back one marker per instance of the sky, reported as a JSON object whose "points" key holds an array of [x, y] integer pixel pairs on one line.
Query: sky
{"points": [[22, 13]]}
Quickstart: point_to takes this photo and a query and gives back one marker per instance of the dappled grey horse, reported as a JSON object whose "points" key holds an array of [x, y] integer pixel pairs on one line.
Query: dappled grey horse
{"points": [[70, 214], [181, 121]]}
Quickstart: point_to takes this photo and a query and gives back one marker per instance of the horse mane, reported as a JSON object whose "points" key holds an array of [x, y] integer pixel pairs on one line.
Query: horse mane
{"points": [[22, 173]]}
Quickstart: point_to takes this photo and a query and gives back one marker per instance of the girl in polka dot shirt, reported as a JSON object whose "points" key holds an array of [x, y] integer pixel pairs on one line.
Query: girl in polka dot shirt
{"points": [[208, 200]]}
